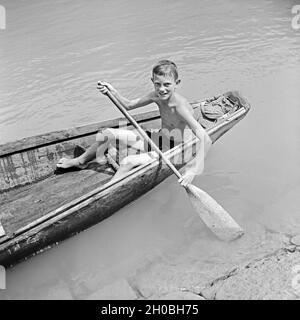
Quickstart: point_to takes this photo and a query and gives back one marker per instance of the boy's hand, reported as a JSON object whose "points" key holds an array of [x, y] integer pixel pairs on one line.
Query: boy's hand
{"points": [[104, 87], [186, 179]]}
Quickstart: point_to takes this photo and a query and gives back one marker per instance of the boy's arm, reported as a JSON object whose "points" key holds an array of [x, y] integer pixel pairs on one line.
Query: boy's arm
{"points": [[195, 166], [128, 104], [135, 103], [198, 130]]}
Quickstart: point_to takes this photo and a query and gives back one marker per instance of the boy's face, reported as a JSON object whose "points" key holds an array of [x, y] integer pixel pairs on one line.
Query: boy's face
{"points": [[164, 86]]}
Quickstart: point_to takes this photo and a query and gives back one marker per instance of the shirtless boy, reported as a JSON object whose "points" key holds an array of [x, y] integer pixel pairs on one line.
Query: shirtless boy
{"points": [[177, 122]]}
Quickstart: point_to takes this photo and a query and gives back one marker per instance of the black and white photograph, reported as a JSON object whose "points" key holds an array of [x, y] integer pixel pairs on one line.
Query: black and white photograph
{"points": [[149, 150]]}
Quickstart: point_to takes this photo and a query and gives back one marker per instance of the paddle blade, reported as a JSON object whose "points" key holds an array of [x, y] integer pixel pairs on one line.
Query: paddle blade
{"points": [[213, 215]]}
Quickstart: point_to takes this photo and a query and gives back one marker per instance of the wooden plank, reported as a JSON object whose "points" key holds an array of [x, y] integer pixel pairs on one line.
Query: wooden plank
{"points": [[26, 205], [36, 164]]}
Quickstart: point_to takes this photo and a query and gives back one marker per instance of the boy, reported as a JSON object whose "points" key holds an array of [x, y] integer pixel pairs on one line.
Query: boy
{"points": [[177, 124]]}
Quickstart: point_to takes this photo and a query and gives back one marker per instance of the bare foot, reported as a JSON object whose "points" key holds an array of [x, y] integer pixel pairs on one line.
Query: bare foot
{"points": [[66, 163]]}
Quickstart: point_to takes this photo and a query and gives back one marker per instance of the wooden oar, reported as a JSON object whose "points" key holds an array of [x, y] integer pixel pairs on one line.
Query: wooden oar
{"points": [[212, 214]]}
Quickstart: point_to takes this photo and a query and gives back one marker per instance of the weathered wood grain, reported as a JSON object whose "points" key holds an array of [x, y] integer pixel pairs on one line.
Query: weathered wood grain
{"points": [[30, 164]]}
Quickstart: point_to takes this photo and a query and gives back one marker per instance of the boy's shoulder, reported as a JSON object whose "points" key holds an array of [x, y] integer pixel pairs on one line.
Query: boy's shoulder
{"points": [[181, 101], [152, 97]]}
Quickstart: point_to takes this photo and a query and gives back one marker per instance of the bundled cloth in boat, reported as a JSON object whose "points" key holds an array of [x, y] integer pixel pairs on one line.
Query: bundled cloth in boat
{"points": [[216, 108]]}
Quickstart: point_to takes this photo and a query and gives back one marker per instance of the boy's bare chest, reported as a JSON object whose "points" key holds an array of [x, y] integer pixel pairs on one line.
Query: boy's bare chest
{"points": [[170, 117]]}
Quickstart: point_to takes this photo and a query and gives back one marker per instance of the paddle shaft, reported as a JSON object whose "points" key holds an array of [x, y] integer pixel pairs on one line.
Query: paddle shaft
{"points": [[143, 133]]}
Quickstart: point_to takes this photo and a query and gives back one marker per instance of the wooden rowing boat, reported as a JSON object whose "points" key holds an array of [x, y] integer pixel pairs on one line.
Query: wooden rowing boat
{"points": [[39, 209]]}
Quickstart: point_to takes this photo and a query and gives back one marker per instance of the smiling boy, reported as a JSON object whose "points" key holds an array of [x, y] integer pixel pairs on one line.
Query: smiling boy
{"points": [[178, 121]]}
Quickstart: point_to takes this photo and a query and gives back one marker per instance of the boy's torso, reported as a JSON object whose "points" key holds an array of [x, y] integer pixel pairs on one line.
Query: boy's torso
{"points": [[171, 122]]}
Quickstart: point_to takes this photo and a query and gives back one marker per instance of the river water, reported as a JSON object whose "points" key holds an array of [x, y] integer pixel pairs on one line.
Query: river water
{"points": [[51, 55]]}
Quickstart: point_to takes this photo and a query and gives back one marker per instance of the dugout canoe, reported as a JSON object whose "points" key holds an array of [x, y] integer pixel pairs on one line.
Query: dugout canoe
{"points": [[39, 209]]}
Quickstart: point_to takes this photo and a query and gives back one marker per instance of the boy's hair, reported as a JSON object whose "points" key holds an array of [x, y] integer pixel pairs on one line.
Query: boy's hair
{"points": [[165, 68]]}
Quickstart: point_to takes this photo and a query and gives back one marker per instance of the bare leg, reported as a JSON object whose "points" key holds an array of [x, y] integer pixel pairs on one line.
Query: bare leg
{"points": [[126, 138], [87, 156], [133, 161], [97, 150]]}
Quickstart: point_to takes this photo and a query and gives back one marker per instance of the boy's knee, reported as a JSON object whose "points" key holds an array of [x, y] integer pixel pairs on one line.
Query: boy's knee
{"points": [[105, 135], [127, 162], [133, 160]]}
